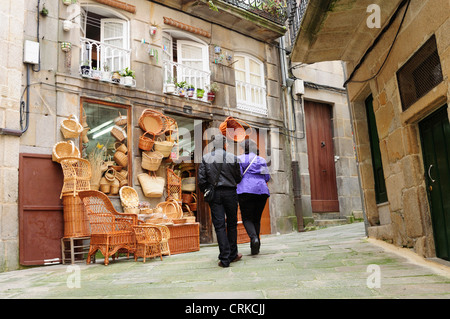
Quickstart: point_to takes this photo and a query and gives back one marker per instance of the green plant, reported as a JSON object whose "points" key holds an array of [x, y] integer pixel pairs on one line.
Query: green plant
{"points": [[213, 87], [44, 11], [127, 72], [190, 86], [181, 85]]}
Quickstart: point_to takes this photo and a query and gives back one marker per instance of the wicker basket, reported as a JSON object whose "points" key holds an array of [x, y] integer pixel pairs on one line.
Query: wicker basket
{"points": [[173, 185], [165, 147], [151, 186], [76, 222], [71, 127], [146, 143], [171, 209], [105, 185], [121, 148], [153, 122], [151, 160], [184, 238], [120, 120], [188, 184], [233, 129], [129, 197], [115, 186], [119, 133], [122, 176], [64, 149], [121, 158]]}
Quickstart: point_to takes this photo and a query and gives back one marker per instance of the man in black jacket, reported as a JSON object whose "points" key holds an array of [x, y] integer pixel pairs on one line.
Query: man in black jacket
{"points": [[224, 204]]}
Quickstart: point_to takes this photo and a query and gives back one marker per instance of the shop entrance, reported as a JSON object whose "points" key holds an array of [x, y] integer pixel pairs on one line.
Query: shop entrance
{"points": [[435, 136]]}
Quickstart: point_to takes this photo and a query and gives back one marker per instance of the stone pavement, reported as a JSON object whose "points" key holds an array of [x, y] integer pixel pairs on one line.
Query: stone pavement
{"points": [[335, 262]]}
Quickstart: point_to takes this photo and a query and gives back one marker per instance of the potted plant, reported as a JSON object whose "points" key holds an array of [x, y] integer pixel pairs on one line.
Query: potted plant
{"points": [[213, 88], [106, 75], [181, 88], [96, 74], [200, 93], [190, 90], [116, 77], [127, 77], [170, 86], [85, 68]]}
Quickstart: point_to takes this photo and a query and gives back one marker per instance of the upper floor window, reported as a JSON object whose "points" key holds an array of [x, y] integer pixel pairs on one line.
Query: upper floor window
{"points": [[250, 87], [105, 42], [185, 61]]}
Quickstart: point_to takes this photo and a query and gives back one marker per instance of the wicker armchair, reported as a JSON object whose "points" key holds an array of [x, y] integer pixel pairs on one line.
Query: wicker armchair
{"points": [[111, 231], [77, 175], [165, 236], [148, 242]]}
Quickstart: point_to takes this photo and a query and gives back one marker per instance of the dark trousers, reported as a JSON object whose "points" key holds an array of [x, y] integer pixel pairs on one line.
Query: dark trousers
{"points": [[224, 208], [252, 206]]}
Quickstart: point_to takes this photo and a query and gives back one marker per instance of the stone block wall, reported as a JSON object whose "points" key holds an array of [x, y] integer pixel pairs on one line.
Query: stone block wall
{"points": [[409, 222], [11, 67]]}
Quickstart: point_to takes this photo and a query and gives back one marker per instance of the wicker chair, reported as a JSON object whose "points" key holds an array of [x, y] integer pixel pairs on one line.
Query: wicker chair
{"points": [[165, 236], [111, 231], [77, 175], [148, 242]]}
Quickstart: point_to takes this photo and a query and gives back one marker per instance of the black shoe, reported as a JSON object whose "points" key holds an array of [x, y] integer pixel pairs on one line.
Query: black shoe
{"points": [[220, 264], [254, 246]]}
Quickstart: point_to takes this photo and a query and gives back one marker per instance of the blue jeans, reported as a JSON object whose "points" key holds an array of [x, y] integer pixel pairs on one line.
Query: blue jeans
{"points": [[224, 208]]}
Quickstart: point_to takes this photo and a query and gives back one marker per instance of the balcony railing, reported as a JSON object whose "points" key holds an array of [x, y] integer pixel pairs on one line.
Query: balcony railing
{"points": [[296, 11], [273, 10], [174, 73], [99, 60], [251, 98]]}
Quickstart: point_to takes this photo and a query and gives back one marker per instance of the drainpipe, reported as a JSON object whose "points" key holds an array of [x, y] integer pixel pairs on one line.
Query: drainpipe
{"points": [[292, 140], [361, 193]]}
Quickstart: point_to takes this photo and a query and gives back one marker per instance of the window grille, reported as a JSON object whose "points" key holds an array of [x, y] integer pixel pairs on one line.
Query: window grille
{"points": [[420, 74]]}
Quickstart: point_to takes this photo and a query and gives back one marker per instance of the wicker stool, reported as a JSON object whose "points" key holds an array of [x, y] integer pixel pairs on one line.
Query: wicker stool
{"points": [[78, 246]]}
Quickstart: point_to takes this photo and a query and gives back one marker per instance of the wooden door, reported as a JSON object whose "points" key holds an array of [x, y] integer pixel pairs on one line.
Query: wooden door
{"points": [[322, 172], [41, 220], [435, 137]]}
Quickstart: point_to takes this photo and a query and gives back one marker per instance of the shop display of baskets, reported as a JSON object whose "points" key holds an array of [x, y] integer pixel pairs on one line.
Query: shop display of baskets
{"points": [[151, 186]]}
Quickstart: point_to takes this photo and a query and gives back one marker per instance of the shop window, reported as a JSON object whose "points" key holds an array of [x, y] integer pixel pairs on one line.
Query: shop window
{"points": [[105, 44], [250, 87], [106, 132], [185, 60]]}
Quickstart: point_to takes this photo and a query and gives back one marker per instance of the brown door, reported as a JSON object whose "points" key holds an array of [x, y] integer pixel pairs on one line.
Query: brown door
{"points": [[324, 197], [41, 222]]}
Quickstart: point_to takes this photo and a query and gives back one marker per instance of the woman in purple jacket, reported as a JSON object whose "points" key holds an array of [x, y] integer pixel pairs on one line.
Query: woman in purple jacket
{"points": [[252, 191]]}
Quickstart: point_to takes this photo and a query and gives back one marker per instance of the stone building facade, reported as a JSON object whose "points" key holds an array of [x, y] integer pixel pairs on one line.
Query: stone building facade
{"points": [[397, 67], [58, 88]]}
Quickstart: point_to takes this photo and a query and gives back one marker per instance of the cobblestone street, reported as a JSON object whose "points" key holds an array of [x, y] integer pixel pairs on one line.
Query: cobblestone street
{"points": [[335, 262]]}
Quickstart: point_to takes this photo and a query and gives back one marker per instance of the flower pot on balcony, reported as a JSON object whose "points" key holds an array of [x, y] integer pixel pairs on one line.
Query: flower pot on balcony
{"points": [[115, 77], [126, 80], [66, 46], [211, 96], [200, 93], [170, 88], [106, 76], [96, 74], [190, 92], [85, 70]]}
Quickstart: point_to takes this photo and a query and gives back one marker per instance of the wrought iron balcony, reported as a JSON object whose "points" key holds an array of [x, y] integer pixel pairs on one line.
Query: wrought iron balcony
{"points": [[273, 10], [296, 11]]}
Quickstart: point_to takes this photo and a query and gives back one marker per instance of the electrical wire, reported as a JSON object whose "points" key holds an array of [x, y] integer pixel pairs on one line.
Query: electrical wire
{"points": [[374, 44]]}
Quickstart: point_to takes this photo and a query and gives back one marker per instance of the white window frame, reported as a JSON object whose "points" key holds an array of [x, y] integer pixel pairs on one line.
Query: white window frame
{"points": [[246, 103], [123, 60]]}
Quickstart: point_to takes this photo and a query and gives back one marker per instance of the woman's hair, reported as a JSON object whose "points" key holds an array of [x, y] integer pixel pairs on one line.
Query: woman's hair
{"points": [[249, 146]]}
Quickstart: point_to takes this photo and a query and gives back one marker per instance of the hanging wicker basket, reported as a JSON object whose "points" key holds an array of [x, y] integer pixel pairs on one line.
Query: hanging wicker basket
{"points": [[64, 149], [121, 148], [165, 147], [153, 122], [120, 120], [188, 184], [71, 127], [146, 143], [151, 186], [234, 130], [119, 133], [151, 160]]}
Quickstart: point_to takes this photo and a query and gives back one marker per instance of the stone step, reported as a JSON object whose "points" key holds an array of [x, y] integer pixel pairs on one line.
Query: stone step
{"points": [[326, 215], [330, 222]]}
